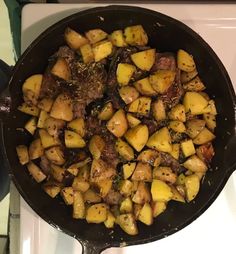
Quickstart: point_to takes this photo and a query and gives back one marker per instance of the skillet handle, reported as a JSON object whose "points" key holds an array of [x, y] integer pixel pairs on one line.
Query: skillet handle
{"points": [[93, 248]]}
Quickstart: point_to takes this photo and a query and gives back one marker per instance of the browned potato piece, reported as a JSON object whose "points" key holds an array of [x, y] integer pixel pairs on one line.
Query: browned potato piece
{"points": [[142, 172], [194, 164], [126, 188], [137, 209], [95, 35], [67, 194], [146, 214], [187, 76], [73, 140], [210, 121], [117, 38], [135, 36], [142, 194], [74, 39], [161, 191], [55, 155], [57, 173], [132, 121], [177, 126], [194, 127], [127, 223], [31, 125], [29, 110], [96, 146], [104, 187], [192, 185], [195, 85], [52, 189], [158, 110], [142, 106], [178, 113], [137, 136], [205, 152], [43, 116], [106, 112], [176, 195], [144, 87], [185, 61], [203, 137], [45, 104], [22, 153], [158, 207], [47, 140], [62, 108], [78, 126], [36, 172], [110, 221], [91, 197], [78, 206], [150, 156], [162, 80], [97, 213], [175, 151], [80, 184], [124, 73], [87, 53], [164, 174], [61, 69], [187, 147], [124, 150], [128, 94], [128, 169], [118, 125], [101, 50], [160, 140], [144, 60], [126, 205], [53, 126], [35, 149]]}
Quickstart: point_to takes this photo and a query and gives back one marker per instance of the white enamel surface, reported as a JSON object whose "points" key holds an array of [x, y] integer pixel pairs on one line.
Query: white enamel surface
{"points": [[214, 231]]}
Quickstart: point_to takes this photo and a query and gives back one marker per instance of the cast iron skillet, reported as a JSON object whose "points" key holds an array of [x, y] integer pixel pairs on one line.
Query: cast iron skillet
{"points": [[166, 34]]}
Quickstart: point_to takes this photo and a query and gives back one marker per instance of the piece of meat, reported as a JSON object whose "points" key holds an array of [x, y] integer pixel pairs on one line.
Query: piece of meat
{"points": [[153, 125], [176, 137], [169, 161], [67, 53], [205, 152], [164, 61], [113, 197], [79, 110]]}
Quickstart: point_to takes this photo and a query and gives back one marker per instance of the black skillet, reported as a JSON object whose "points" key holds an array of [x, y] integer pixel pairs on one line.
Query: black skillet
{"points": [[166, 34]]}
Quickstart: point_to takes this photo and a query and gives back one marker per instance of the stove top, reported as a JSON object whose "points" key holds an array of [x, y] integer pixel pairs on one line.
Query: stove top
{"points": [[215, 230]]}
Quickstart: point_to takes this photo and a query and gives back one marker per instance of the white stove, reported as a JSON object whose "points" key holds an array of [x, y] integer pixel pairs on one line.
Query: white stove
{"points": [[214, 231]]}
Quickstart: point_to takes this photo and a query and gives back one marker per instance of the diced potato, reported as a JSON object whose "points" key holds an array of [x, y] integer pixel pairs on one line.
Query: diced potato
{"points": [[62, 108], [135, 36], [176, 195], [67, 194], [78, 206], [96, 213], [164, 174], [101, 50], [177, 126], [162, 80], [195, 85], [96, 35], [31, 125], [110, 221], [178, 113], [57, 173], [87, 53], [158, 110], [185, 61], [158, 207], [203, 137], [127, 223], [175, 151], [35, 149], [91, 197], [73, 170], [160, 141], [144, 60], [128, 169], [126, 205], [212, 107], [61, 69], [104, 187], [195, 164], [36, 172], [55, 155], [118, 125], [73, 140], [146, 215], [22, 153], [187, 76], [180, 179], [96, 146], [126, 188], [192, 185], [150, 156], [210, 121], [205, 95], [142, 194], [142, 172], [141, 106], [31, 88], [29, 110], [80, 184], [74, 39], [124, 73], [124, 150], [137, 209], [52, 190], [106, 112], [194, 127], [195, 103], [128, 94], [144, 87], [53, 126], [47, 140], [45, 104], [132, 121], [187, 147], [117, 38], [43, 116], [161, 191], [137, 136]]}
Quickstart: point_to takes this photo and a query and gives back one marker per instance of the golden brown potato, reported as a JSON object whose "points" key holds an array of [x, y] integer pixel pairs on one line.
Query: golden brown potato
{"points": [[132, 121], [192, 185], [53, 126], [175, 151], [160, 141], [194, 85], [141, 106], [35, 149], [144, 87], [128, 169], [210, 121], [29, 110], [22, 153], [187, 76], [205, 152], [73, 140], [126, 188], [203, 137], [142, 172], [97, 213], [43, 116], [162, 80], [194, 164], [52, 189], [124, 73], [92, 197], [137, 209], [36, 172], [128, 94], [187, 147], [74, 39], [31, 125], [177, 113], [164, 174], [150, 156], [127, 223], [80, 184], [101, 50], [137, 137], [47, 140], [176, 195], [185, 61], [57, 172], [104, 187], [107, 112], [61, 69], [177, 126], [135, 35], [194, 127], [110, 221], [78, 206], [144, 60], [96, 35], [67, 194], [87, 53], [126, 205], [62, 108], [55, 155], [158, 110], [146, 214], [161, 191], [96, 146], [142, 194], [124, 150], [78, 126], [118, 125], [45, 104], [158, 207], [117, 38]]}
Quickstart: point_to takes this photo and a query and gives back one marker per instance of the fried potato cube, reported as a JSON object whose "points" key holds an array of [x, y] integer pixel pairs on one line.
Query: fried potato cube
{"points": [[45, 104], [158, 207], [43, 116], [160, 191], [210, 121], [146, 214], [142, 172], [178, 113], [47, 140], [194, 127], [35, 149], [176, 195], [158, 110], [104, 187], [29, 110], [31, 125], [110, 221], [126, 188], [128, 169], [132, 120], [164, 174], [126, 205], [144, 60], [177, 126], [124, 150], [128, 94], [96, 35], [87, 53], [117, 38], [175, 151], [78, 206], [203, 137], [192, 185], [101, 50], [127, 223], [74, 39], [96, 213], [107, 112], [96, 146], [52, 189], [150, 156], [194, 85], [187, 147], [195, 164], [55, 155], [118, 125], [36, 172], [67, 194], [141, 106], [144, 87], [91, 196], [185, 61], [80, 184], [187, 76], [142, 194], [73, 140], [135, 36], [22, 153], [124, 73], [57, 172], [61, 69]]}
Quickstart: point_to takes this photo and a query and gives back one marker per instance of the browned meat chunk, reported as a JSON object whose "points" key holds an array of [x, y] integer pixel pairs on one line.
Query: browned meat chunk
{"points": [[113, 197], [164, 61], [205, 152], [169, 161]]}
